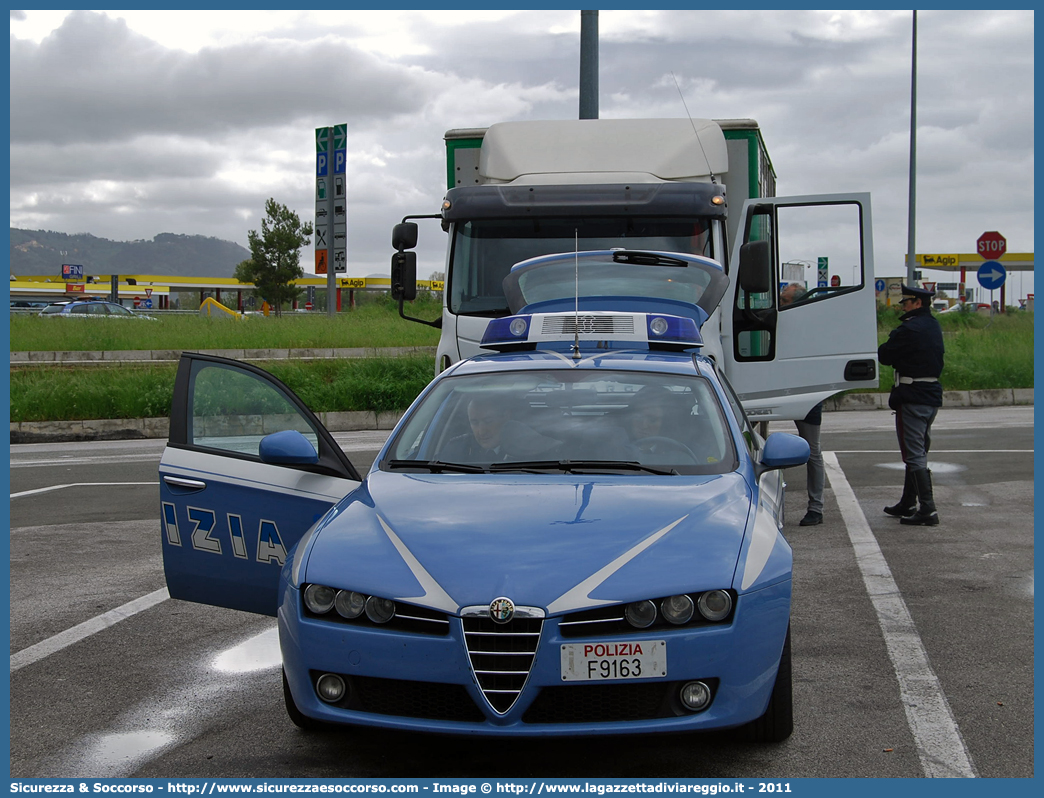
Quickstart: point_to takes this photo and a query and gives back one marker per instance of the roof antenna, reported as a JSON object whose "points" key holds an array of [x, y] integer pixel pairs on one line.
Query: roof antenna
{"points": [[576, 294], [684, 105]]}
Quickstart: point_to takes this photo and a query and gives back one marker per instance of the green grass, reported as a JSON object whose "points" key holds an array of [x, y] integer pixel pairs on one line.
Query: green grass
{"points": [[980, 353], [57, 393], [375, 323]]}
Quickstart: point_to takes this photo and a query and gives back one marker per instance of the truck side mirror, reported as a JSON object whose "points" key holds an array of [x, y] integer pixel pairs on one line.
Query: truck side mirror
{"points": [[755, 267], [404, 273], [404, 236]]}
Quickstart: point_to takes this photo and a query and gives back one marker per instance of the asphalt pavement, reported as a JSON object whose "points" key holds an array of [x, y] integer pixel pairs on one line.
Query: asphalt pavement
{"points": [[110, 678]]}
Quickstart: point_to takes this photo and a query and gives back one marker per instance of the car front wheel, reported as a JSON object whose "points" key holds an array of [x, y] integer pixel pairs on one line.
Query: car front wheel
{"points": [[777, 723], [299, 719]]}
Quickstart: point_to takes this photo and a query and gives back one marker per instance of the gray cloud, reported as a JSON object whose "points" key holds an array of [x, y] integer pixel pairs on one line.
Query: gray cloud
{"points": [[114, 84], [115, 134]]}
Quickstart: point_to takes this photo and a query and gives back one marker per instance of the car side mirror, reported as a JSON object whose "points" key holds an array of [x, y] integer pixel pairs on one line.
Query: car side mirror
{"points": [[288, 447], [404, 236], [755, 267], [783, 450]]}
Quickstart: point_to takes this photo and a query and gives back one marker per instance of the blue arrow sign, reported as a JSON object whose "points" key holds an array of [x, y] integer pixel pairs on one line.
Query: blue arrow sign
{"points": [[991, 275], [879, 285]]}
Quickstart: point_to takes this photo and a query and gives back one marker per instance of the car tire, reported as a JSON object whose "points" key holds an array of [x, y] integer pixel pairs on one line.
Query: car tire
{"points": [[777, 723], [298, 718]]}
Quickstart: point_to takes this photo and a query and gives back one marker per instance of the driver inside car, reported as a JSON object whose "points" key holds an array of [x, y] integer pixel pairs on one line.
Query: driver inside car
{"points": [[651, 419], [664, 429]]}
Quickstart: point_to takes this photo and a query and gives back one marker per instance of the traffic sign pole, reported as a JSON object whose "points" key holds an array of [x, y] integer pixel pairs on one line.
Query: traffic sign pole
{"points": [[991, 245], [323, 204]]}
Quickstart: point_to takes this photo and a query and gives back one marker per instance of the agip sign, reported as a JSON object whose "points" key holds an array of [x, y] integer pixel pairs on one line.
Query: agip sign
{"points": [[939, 261]]}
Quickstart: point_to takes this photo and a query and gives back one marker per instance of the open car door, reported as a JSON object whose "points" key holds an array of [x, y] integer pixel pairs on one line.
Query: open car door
{"points": [[246, 472], [781, 359]]}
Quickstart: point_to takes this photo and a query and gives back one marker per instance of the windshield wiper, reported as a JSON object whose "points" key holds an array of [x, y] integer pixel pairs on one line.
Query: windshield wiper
{"points": [[437, 466], [571, 466]]}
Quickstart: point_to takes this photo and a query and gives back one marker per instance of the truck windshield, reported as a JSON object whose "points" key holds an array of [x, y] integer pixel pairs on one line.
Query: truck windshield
{"points": [[485, 250]]}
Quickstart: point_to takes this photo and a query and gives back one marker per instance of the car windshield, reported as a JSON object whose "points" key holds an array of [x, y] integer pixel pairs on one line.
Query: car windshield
{"points": [[577, 421], [485, 250]]}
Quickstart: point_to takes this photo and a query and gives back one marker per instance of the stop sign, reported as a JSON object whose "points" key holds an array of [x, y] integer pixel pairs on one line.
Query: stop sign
{"points": [[992, 245]]}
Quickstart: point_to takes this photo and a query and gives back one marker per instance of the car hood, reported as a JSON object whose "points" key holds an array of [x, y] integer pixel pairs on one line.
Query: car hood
{"points": [[559, 542]]}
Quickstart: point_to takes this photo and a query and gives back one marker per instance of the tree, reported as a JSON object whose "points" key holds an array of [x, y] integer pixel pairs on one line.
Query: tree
{"points": [[275, 255]]}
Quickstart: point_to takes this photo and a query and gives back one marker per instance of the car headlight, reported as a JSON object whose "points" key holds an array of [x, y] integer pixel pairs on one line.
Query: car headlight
{"points": [[349, 604], [319, 598], [380, 610], [678, 609], [640, 614], [715, 605]]}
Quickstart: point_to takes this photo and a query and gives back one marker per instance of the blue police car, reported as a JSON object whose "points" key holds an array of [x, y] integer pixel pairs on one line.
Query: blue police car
{"points": [[579, 534]]}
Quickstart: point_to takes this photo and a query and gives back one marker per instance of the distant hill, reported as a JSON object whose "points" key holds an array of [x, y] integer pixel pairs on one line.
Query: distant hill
{"points": [[40, 252]]}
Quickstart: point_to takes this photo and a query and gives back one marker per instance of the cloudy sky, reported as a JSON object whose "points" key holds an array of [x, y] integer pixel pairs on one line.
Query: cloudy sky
{"points": [[126, 124]]}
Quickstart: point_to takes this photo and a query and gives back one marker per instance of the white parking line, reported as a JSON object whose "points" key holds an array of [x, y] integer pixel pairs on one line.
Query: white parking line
{"points": [[939, 743], [77, 485], [35, 653], [938, 451]]}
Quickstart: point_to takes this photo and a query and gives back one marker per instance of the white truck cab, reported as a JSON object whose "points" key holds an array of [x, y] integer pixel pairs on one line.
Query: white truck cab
{"points": [[519, 190]]}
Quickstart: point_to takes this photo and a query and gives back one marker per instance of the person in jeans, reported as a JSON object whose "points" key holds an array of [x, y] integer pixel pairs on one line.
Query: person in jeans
{"points": [[815, 473], [809, 429]]}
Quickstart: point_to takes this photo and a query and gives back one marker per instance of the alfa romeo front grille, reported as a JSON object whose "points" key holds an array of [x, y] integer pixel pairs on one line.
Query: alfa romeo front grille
{"points": [[501, 655]]}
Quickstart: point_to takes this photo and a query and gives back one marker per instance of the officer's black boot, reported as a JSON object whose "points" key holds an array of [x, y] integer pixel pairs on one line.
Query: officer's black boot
{"points": [[926, 514], [908, 503]]}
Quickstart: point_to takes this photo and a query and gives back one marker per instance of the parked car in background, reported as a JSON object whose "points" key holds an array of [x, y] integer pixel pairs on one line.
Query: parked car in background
{"points": [[27, 305], [967, 307], [91, 308]]}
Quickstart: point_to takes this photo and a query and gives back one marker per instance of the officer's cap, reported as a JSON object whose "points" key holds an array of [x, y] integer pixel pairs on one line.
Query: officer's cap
{"points": [[917, 293]]}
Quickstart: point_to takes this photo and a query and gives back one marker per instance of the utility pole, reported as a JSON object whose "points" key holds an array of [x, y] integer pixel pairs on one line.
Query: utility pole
{"points": [[588, 64], [911, 245]]}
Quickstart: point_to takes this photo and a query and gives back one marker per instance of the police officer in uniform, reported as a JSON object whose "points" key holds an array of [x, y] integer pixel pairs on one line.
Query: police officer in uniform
{"points": [[915, 350]]}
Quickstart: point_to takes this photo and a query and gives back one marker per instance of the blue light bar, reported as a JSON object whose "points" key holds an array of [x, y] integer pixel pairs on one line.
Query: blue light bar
{"points": [[673, 329], [512, 329], [599, 329]]}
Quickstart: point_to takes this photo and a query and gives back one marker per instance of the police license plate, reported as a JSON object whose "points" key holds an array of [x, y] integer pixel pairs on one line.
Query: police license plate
{"points": [[589, 662]]}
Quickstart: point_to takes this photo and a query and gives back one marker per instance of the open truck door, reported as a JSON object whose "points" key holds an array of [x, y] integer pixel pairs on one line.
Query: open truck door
{"points": [[783, 359], [246, 472]]}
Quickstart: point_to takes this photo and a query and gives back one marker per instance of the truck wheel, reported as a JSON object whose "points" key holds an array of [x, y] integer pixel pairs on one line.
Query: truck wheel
{"points": [[778, 721], [299, 719]]}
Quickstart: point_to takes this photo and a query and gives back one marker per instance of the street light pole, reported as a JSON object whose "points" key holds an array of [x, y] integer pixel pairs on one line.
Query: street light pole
{"points": [[588, 64], [911, 246]]}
